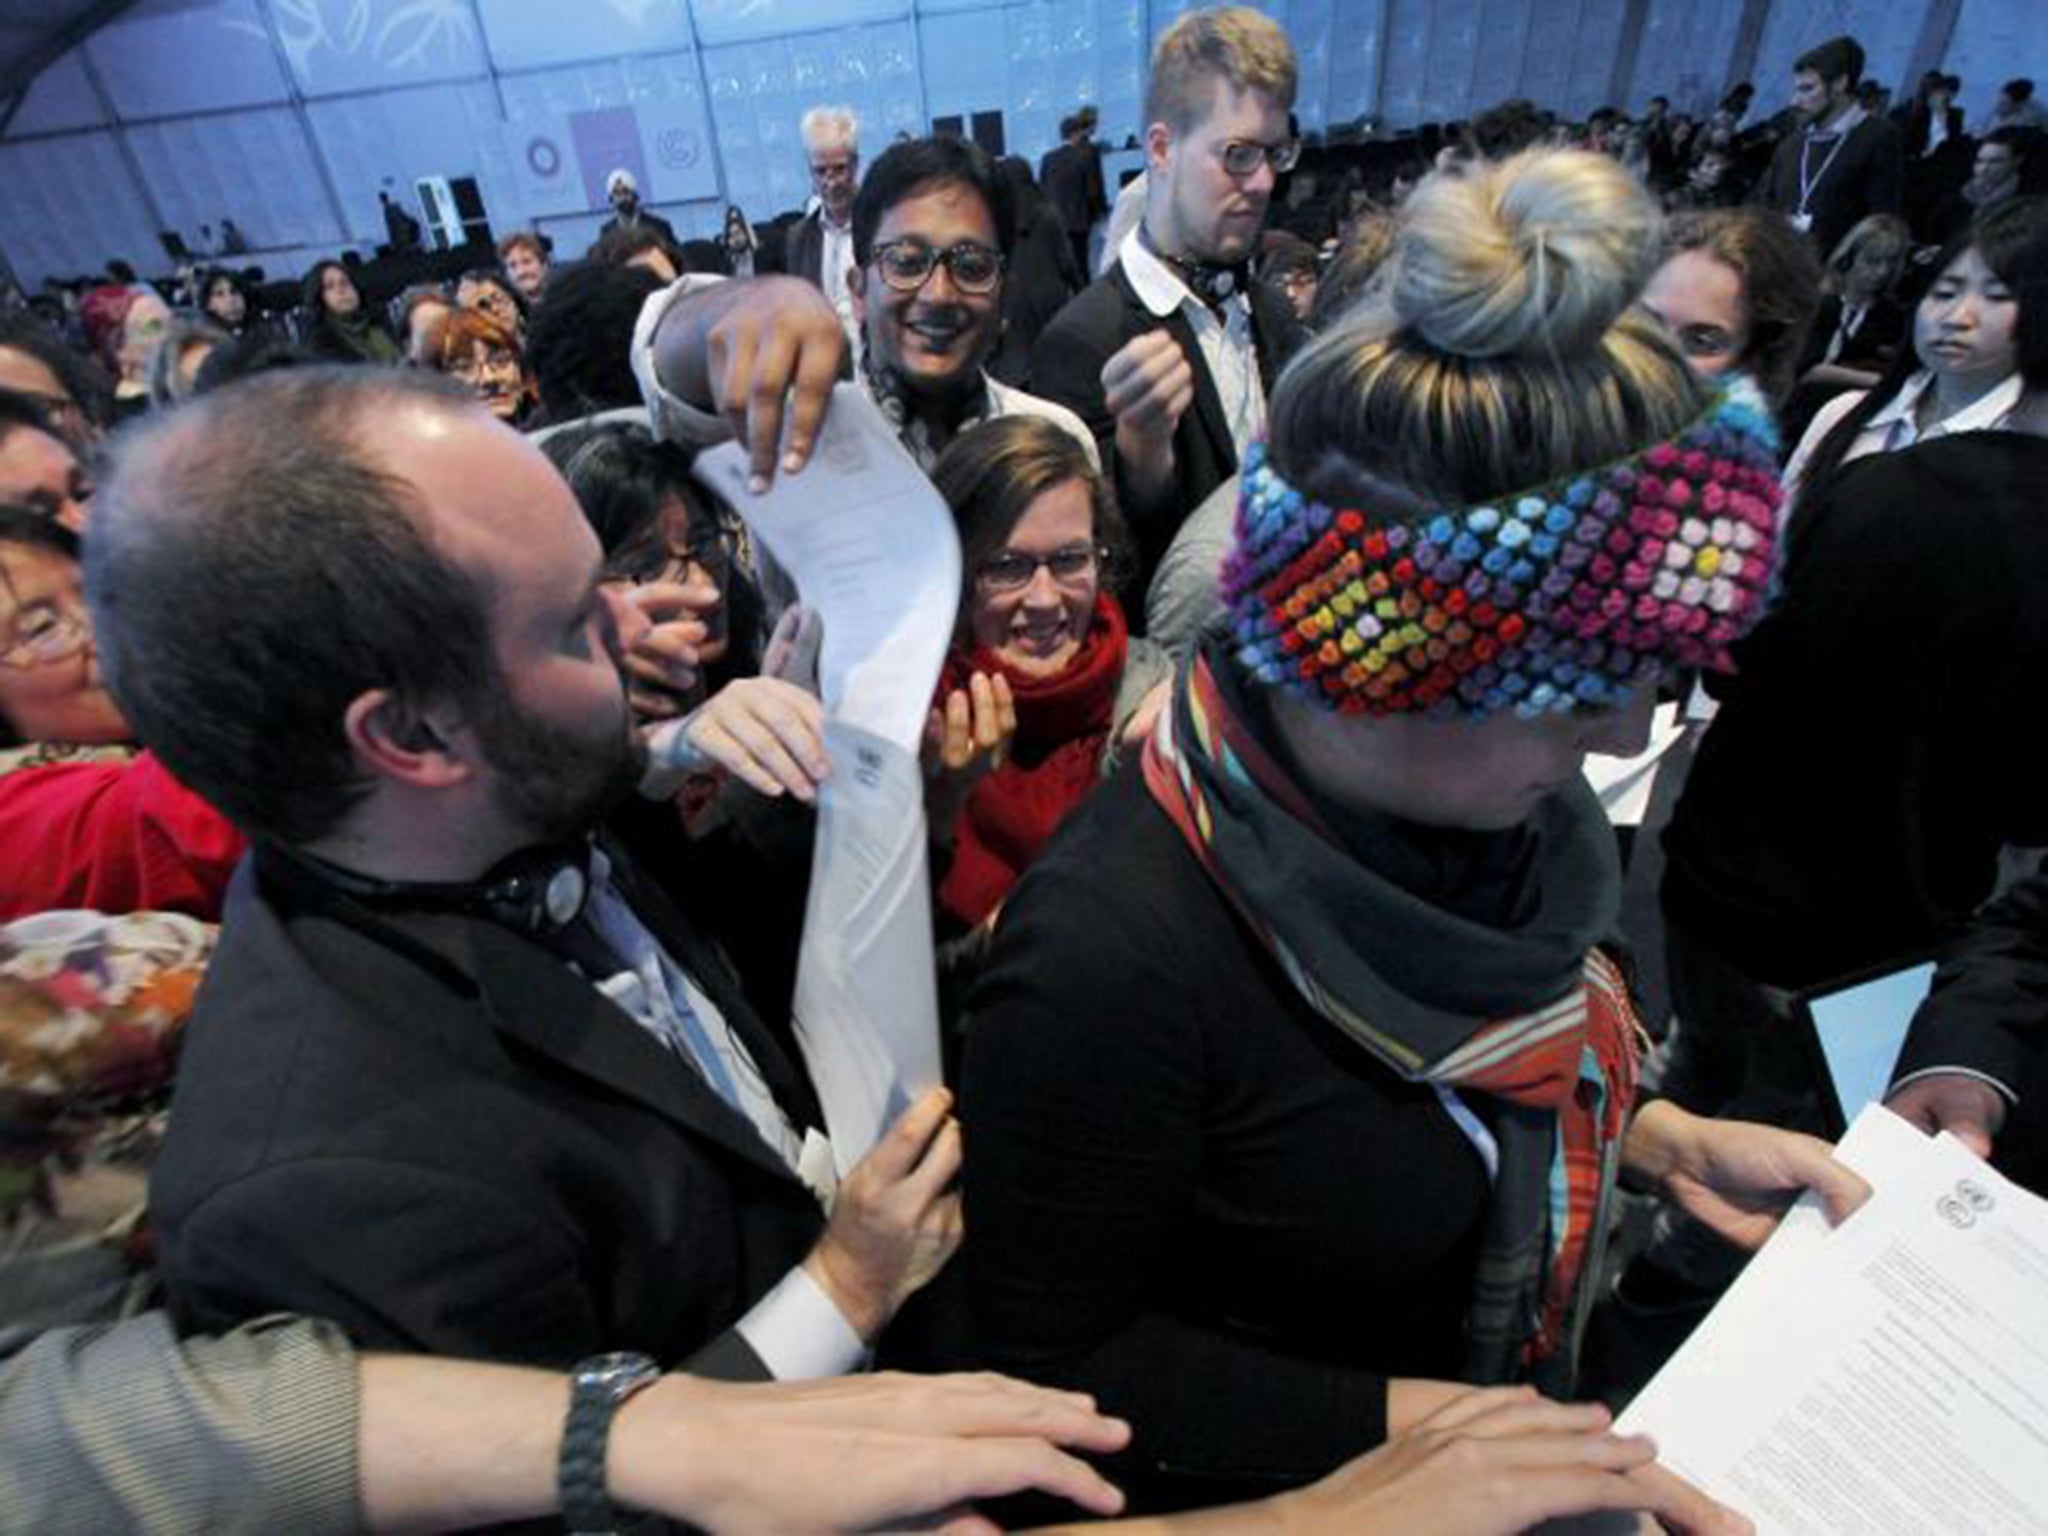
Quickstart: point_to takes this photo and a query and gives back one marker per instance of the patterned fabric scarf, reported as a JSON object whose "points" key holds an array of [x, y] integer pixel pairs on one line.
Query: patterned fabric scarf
{"points": [[1561, 1076], [898, 408]]}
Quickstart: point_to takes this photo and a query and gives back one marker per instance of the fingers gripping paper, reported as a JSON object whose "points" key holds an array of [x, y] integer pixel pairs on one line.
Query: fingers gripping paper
{"points": [[871, 548]]}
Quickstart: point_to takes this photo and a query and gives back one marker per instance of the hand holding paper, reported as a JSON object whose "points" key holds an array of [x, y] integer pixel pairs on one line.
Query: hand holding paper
{"points": [[1736, 1177]]}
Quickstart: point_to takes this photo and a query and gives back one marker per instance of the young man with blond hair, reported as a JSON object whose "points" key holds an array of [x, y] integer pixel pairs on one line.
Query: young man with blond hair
{"points": [[1169, 355]]}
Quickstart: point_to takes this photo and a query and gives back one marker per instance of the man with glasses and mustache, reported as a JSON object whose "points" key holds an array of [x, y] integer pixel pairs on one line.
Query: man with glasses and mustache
{"points": [[932, 229], [1169, 355]]}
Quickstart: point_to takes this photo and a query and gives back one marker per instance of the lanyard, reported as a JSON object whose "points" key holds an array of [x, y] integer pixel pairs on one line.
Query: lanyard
{"points": [[1808, 183]]}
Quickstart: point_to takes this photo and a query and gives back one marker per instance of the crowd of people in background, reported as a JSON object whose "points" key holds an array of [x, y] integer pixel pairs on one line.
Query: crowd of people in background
{"points": [[368, 647]]}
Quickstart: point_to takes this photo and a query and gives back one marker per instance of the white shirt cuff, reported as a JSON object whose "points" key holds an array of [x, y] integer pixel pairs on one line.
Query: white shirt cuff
{"points": [[2011, 1097], [674, 419], [799, 1334]]}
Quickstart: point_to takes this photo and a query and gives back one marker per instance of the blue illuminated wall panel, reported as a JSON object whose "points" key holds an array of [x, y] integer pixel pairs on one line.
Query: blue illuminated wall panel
{"points": [[253, 167], [149, 59], [68, 204], [529, 34], [549, 138], [335, 46], [383, 142], [743, 21], [61, 98], [1685, 54]]}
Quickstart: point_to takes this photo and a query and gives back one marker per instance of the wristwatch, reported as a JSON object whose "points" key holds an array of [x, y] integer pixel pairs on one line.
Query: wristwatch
{"points": [[596, 1388]]}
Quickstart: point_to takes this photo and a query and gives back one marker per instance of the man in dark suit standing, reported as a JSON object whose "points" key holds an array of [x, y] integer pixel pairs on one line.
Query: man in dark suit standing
{"points": [[623, 192], [819, 246], [1839, 163], [1169, 355], [461, 1081], [1071, 177]]}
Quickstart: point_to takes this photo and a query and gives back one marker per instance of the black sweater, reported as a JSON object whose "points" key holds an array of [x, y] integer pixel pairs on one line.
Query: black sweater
{"points": [[1885, 732], [1187, 1193]]}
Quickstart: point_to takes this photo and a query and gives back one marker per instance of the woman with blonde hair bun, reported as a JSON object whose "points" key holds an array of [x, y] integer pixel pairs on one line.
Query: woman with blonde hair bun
{"points": [[1299, 1081]]}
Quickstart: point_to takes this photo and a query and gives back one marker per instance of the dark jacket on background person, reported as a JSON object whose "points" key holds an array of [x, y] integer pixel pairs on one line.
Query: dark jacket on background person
{"points": [[1066, 366], [1865, 174], [1071, 174]]}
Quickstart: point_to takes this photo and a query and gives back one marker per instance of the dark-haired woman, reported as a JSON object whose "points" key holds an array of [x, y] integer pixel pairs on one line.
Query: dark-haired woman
{"points": [[341, 328], [86, 820]]}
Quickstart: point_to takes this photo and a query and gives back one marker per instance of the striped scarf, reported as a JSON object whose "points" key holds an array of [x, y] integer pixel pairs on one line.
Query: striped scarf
{"points": [[1561, 1076]]}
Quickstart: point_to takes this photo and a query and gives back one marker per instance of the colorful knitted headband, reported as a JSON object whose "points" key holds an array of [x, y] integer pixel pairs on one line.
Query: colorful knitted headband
{"points": [[1563, 596]]}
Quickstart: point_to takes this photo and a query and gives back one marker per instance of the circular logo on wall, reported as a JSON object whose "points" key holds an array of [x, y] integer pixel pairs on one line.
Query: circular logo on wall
{"points": [[542, 157], [677, 147]]}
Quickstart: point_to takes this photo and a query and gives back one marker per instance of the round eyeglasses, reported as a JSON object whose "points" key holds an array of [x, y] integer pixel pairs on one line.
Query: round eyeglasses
{"points": [[906, 265], [1241, 157], [1012, 570]]}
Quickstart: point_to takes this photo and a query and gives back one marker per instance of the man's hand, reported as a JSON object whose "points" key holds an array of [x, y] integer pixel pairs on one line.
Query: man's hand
{"points": [[769, 733], [1148, 386], [1967, 1107], [896, 1220], [1735, 1177], [854, 1453], [764, 353], [661, 658]]}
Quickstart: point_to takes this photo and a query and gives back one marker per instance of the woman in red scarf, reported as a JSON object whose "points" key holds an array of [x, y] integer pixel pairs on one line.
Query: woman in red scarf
{"points": [[1039, 536]]}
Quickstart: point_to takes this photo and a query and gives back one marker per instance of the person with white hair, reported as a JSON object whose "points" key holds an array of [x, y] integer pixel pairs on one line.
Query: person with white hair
{"points": [[622, 191], [819, 246]]}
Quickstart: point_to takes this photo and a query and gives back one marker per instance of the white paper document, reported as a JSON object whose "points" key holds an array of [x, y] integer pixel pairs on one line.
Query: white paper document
{"points": [[1885, 1378], [871, 548]]}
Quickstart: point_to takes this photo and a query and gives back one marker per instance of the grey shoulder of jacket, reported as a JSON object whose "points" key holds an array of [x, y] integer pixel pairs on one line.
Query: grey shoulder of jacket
{"points": [[1146, 666]]}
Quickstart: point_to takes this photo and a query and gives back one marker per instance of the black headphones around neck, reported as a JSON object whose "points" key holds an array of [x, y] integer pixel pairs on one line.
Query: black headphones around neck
{"points": [[536, 892]]}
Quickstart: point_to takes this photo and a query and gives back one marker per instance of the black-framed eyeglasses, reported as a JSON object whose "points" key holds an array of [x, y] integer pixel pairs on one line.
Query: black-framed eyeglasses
{"points": [[1011, 570], [1241, 157], [906, 265], [45, 635]]}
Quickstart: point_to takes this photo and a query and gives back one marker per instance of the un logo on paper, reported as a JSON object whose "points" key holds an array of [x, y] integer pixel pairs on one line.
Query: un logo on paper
{"points": [[1975, 1195], [1955, 1212]]}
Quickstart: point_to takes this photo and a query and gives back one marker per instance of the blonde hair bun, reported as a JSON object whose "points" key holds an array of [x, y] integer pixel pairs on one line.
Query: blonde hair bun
{"points": [[1537, 256]]}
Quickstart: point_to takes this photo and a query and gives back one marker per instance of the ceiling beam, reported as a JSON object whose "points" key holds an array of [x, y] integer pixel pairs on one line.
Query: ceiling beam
{"points": [[20, 74]]}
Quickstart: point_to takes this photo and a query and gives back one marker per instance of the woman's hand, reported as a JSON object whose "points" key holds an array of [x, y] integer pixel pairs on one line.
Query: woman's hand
{"points": [[1733, 1176], [967, 736], [661, 662]]}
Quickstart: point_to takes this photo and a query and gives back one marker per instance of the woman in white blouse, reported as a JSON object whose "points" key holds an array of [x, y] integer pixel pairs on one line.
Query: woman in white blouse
{"points": [[1963, 372]]}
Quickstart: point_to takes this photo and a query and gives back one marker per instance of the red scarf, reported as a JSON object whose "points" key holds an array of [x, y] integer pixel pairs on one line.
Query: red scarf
{"points": [[1063, 722]]}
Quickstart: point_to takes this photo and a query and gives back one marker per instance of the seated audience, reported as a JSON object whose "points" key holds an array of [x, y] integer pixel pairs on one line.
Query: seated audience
{"points": [[1962, 372], [1861, 324], [342, 328], [2005, 166], [2015, 108], [473, 348], [176, 358], [38, 469], [224, 299], [524, 256], [420, 312], [64, 383], [1349, 914], [1039, 542], [494, 294]]}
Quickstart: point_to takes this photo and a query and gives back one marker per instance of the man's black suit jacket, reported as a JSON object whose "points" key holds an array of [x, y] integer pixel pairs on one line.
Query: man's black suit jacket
{"points": [[653, 221], [433, 1131], [1066, 366], [803, 249]]}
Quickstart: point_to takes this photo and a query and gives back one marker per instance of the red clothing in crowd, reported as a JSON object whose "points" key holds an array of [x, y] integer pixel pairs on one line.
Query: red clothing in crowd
{"points": [[112, 837], [1063, 723]]}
